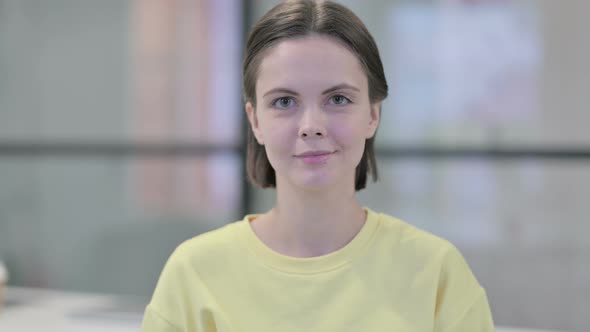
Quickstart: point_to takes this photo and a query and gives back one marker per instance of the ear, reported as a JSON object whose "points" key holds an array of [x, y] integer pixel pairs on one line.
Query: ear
{"points": [[375, 117], [253, 119]]}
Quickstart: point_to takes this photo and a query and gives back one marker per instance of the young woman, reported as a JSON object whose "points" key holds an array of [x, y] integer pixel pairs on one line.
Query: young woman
{"points": [[318, 261]]}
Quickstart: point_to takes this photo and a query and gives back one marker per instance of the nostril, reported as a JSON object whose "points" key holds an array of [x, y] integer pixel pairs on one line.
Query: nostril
{"points": [[317, 134]]}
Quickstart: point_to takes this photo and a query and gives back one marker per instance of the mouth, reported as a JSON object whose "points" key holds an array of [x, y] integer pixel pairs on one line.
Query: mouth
{"points": [[314, 153], [315, 157]]}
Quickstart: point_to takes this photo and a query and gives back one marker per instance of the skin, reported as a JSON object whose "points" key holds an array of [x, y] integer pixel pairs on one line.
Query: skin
{"points": [[312, 94]]}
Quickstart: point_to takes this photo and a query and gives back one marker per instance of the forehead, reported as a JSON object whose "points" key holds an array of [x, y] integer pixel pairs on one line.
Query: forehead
{"points": [[308, 63]]}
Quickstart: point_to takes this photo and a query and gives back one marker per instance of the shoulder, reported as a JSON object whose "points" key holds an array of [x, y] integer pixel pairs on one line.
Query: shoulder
{"points": [[201, 254], [424, 251], [197, 260], [185, 275], [410, 238], [205, 246], [440, 264]]}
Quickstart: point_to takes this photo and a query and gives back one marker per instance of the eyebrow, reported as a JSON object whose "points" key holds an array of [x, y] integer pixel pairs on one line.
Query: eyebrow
{"points": [[334, 88]]}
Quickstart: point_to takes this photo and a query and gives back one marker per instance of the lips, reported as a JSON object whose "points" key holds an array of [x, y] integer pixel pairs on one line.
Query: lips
{"points": [[314, 153], [315, 157]]}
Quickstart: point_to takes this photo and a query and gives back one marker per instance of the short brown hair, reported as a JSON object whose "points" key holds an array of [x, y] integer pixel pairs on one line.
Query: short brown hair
{"points": [[296, 19]]}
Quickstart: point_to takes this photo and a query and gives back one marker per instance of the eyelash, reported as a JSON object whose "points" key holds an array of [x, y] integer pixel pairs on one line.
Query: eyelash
{"points": [[275, 101], [346, 99]]}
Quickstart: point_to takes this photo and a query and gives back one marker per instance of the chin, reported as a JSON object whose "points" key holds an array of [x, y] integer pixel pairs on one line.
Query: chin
{"points": [[316, 182]]}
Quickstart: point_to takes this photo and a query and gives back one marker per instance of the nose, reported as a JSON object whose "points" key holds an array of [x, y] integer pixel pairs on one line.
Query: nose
{"points": [[312, 124]]}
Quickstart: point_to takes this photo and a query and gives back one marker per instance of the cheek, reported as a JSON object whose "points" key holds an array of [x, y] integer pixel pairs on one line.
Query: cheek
{"points": [[350, 138], [278, 137], [348, 134]]}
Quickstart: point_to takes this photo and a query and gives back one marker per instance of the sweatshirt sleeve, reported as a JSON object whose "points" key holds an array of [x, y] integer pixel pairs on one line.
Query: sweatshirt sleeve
{"points": [[476, 318], [165, 310], [461, 303], [153, 321], [179, 294]]}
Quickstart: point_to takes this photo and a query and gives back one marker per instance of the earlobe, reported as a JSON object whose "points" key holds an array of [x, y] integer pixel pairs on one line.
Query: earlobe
{"points": [[253, 119]]}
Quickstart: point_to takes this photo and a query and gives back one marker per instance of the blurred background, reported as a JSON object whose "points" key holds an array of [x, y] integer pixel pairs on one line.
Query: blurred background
{"points": [[121, 135]]}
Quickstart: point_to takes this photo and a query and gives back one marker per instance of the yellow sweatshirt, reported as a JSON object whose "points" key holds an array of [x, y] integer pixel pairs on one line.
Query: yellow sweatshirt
{"points": [[390, 277]]}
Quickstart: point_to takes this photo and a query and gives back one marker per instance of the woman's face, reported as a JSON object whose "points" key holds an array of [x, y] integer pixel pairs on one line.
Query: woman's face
{"points": [[313, 113]]}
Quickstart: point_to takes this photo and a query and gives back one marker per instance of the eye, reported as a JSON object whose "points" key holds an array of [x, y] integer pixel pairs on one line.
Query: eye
{"points": [[283, 102], [339, 100]]}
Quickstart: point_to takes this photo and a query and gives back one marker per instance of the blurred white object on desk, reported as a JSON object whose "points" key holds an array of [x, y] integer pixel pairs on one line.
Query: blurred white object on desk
{"points": [[29, 309]]}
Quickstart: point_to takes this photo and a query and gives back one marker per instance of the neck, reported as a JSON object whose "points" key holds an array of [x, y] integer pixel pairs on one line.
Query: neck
{"points": [[313, 223]]}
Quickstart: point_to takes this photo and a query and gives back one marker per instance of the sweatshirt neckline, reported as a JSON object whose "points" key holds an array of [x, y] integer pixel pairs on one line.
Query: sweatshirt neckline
{"points": [[308, 265]]}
